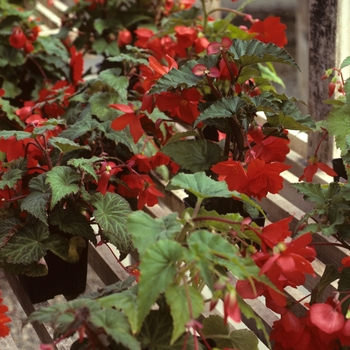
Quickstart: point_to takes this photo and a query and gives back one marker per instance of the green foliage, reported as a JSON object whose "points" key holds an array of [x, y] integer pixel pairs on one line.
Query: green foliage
{"points": [[243, 339], [193, 155], [158, 268], [63, 182], [111, 214], [146, 230]]}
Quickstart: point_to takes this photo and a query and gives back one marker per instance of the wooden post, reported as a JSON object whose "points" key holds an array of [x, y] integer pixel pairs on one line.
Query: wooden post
{"points": [[322, 49]]}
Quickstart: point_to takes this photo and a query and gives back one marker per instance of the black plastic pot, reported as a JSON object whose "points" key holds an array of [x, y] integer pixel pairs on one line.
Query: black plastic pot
{"points": [[63, 278], [339, 168]]}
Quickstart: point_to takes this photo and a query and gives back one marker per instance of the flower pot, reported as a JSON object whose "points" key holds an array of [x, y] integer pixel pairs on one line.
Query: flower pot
{"points": [[64, 278], [339, 168]]}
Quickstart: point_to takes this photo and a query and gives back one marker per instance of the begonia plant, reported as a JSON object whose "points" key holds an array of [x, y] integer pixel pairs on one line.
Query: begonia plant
{"points": [[183, 102]]}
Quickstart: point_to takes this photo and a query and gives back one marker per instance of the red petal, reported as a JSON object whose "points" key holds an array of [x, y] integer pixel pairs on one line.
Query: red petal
{"points": [[326, 318]]}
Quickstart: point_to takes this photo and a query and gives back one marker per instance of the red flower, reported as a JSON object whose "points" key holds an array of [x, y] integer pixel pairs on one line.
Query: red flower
{"points": [[327, 317], [201, 69], [140, 186], [124, 37], [270, 31], [231, 307], [269, 149], [17, 38], [4, 329], [107, 170], [142, 162], [263, 178], [312, 168], [288, 261], [149, 195], [28, 47], [77, 65], [233, 173], [146, 39], [159, 159], [215, 47], [185, 36], [129, 118], [182, 105]]}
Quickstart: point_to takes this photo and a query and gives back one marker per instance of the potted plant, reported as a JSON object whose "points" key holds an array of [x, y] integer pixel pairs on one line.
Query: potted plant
{"points": [[222, 152]]}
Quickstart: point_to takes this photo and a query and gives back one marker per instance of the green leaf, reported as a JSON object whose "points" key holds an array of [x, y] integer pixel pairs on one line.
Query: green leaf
{"points": [[157, 331], [101, 24], [126, 301], [11, 90], [37, 202], [64, 145], [147, 230], [215, 328], [248, 312], [10, 178], [193, 155], [10, 111], [100, 105], [311, 192], [158, 269], [209, 250], [72, 222], [115, 324], [118, 136], [122, 57], [201, 185], [119, 83], [180, 299], [248, 52], [86, 165], [337, 124], [345, 63], [81, 127], [111, 215], [223, 108], [19, 135], [54, 47], [63, 181], [27, 245], [62, 312], [101, 46], [344, 287], [291, 117], [182, 77], [11, 56], [330, 274]]}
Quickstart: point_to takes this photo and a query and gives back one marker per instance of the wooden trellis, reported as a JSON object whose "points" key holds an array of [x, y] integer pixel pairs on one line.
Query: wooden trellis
{"points": [[322, 42]]}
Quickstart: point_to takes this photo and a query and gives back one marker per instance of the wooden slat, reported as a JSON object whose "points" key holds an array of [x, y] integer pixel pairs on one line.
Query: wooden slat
{"points": [[28, 307], [7, 343]]}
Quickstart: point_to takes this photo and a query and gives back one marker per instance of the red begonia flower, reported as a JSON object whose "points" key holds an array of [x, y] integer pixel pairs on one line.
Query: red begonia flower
{"points": [[263, 178], [77, 64], [233, 173], [313, 166], [269, 149], [106, 171], [129, 118], [326, 317], [231, 307], [4, 329], [17, 38], [124, 37], [215, 47], [142, 162], [149, 195], [201, 69], [183, 104], [270, 30]]}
